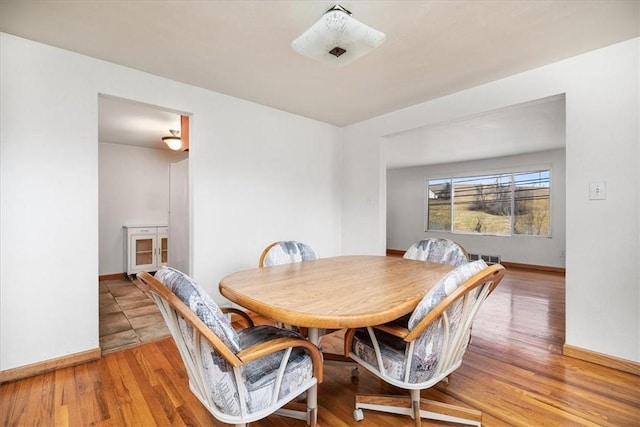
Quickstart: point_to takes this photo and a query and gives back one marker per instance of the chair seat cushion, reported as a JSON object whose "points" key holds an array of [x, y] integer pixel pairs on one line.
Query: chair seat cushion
{"points": [[394, 351], [391, 348], [260, 375]]}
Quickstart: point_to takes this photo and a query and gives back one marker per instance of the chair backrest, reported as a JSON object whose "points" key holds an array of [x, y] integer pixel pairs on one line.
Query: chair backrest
{"points": [[440, 326], [443, 251], [286, 252]]}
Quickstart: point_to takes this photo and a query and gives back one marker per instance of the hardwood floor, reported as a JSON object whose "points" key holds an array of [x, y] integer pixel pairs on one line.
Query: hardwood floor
{"points": [[513, 372]]}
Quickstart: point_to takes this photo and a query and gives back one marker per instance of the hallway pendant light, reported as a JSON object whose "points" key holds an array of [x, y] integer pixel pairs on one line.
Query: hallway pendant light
{"points": [[337, 38], [174, 142]]}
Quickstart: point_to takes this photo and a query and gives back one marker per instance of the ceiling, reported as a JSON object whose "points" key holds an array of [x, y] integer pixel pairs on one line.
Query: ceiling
{"points": [[526, 128], [132, 123], [242, 48]]}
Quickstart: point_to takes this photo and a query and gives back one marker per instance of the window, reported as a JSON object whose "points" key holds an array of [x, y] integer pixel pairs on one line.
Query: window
{"points": [[500, 204]]}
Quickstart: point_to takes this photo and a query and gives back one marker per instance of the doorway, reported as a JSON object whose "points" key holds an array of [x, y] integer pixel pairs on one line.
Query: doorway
{"points": [[133, 169]]}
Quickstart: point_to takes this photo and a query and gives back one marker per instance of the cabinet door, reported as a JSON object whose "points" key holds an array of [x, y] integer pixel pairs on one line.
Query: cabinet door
{"points": [[142, 255], [163, 246]]}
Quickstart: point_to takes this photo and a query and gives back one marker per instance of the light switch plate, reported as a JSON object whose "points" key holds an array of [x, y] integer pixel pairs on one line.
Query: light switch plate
{"points": [[597, 190]]}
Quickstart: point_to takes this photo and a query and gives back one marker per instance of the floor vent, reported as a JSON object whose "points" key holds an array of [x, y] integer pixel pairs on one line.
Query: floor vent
{"points": [[489, 259]]}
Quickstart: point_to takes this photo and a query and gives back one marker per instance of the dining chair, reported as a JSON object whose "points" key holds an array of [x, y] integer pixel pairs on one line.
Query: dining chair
{"points": [[239, 376], [443, 251], [291, 251], [286, 252], [421, 352]]}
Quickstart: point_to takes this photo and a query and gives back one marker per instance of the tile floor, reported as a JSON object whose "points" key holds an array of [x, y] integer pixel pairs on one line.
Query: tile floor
{"points": [[128, 315]]}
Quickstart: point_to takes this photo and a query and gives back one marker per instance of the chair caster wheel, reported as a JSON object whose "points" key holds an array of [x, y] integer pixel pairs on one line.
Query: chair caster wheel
{"points": [[355, 373], [358, 415]]}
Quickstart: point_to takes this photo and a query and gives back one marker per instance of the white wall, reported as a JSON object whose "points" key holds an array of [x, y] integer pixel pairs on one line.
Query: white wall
{"points": [[363, 194], [406, 208], [133, 188], [257, 175], [179, 221], [602, 237]]}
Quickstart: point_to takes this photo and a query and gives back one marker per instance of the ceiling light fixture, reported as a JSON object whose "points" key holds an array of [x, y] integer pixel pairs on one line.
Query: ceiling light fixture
{"points": [[337, 38], [174, 142]]}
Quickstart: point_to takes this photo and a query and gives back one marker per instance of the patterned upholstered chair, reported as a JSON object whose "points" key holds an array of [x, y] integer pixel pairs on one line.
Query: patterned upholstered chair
{"points": [[443, 251], [286, 252], [419, 354], [291, 251], [239, 376]]}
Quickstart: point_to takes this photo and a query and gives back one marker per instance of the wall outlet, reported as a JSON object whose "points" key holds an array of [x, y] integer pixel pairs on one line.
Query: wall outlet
{"points": [[597, 190]]}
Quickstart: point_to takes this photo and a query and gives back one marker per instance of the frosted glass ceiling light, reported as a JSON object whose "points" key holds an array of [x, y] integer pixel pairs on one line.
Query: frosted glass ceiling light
{"points": [[174, 142], [337, 38]]}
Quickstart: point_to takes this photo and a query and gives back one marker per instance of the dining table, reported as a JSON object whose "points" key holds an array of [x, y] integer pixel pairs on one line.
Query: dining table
{"points": [[339, 292]]}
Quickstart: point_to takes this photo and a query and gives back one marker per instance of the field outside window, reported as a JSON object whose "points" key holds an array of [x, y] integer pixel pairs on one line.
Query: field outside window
{"points": [[498, 204]]}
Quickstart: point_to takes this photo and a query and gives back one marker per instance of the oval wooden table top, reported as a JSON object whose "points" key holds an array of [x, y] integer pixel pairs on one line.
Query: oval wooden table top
{"points": [[335, 293]]}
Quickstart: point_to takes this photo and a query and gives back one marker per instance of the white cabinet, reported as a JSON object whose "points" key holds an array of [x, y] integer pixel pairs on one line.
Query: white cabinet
{"points": [[146, 248]]}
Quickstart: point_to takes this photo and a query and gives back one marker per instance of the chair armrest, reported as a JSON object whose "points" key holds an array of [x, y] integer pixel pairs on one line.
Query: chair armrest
{"points": [[390, 328], [348, 340], [393, 329], [265, 348], [240, 313]]}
